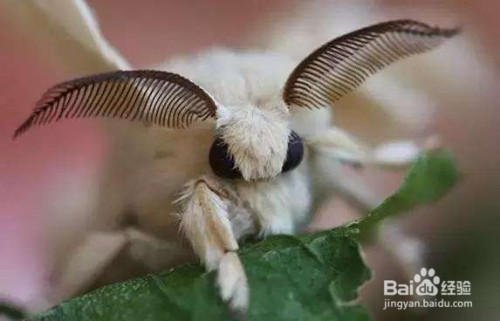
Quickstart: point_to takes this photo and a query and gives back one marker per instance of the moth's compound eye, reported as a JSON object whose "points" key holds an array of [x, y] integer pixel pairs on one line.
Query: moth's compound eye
{"points": [[221, 161], [295, 152]]}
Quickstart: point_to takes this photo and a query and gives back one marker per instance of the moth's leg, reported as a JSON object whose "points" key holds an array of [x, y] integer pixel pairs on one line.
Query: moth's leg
{"points": [[407, 250], [401, 154], [212, 220], [97, 251], [85, 264], [355, 191], [155, 253], [348, 149]]}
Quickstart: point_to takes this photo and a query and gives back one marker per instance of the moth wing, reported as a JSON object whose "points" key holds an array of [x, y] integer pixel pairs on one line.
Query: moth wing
{"points": [[71, 28]]}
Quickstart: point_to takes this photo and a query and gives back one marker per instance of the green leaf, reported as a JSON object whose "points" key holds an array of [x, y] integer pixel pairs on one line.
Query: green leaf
{"points": [[432, 175], [306, 277], [291, 278]]}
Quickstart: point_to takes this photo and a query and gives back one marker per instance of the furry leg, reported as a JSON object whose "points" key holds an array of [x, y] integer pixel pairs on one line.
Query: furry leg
{"points": [[206, 222], [400, 154], [85, 264], [407, 250], [97, 251], [348, 149], [154, 253]]}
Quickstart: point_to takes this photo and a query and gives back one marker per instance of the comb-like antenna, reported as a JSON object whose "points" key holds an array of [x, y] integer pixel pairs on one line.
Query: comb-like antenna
{"points": [[159, 97], [343, 64]]}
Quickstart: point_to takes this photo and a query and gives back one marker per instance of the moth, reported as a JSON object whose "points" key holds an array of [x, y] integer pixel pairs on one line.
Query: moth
{"points": [[228, 145]]}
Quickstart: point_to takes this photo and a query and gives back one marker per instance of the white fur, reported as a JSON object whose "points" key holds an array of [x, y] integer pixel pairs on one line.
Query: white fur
{"points": [[257, 138], [255, 123], [280, 205], [205, 222], [232, 282]]}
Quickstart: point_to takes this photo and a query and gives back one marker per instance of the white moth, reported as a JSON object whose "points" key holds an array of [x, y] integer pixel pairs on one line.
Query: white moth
{"points": [[227, 144]]}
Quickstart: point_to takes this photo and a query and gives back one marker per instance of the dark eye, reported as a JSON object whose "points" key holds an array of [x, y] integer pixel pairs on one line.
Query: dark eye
{"points": [[222, 161], [294, 153]]}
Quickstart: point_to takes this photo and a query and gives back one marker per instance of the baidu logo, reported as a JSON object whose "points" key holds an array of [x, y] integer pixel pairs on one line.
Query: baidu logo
{"points": [[427, 282], [424, 283]]}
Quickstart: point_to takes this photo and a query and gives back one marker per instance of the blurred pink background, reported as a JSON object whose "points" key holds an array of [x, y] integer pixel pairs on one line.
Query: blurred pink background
{"points": [[34, 169]]}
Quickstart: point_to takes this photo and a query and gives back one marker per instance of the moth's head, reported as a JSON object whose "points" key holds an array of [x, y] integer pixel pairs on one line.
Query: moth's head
{"points": [[252, 141]]}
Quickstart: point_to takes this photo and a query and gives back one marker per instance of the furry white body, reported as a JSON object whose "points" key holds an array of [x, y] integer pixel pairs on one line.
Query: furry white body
{"points": [[244, 82], [149, 165], [158, 162]]}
